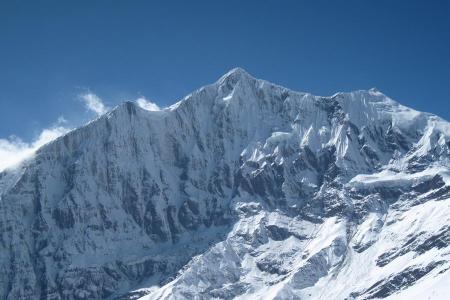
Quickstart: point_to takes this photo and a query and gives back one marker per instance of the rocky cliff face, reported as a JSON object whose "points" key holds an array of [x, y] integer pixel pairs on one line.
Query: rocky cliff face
{"points": [[243, 189]]}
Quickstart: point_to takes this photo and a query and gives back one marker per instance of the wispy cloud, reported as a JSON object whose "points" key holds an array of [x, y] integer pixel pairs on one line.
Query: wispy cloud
{"points": [[13, 150], [94, 103], [147, 105]]}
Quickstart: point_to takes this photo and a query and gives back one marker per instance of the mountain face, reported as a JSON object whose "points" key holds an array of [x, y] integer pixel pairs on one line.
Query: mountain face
{"points": [[242, 190]]}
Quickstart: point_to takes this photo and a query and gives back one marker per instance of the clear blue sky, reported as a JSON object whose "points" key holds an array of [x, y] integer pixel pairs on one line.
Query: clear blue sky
{"points": [[51, 51]]}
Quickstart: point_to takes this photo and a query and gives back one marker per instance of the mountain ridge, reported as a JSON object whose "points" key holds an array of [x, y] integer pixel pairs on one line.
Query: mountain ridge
{"points": [[288, 192], [239, 73]]}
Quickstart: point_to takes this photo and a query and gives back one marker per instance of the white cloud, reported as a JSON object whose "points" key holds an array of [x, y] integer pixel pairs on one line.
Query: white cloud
{"points": [[94, 103], [13, 150], [147, 105], [61, 120]]}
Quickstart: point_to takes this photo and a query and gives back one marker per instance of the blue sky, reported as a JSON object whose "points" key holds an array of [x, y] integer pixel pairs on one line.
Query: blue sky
{"points": [[54, 52]]}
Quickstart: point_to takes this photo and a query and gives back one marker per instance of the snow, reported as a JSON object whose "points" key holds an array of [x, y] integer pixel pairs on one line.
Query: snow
{"points": [[433, 287], [392, 178], [241, 190]]}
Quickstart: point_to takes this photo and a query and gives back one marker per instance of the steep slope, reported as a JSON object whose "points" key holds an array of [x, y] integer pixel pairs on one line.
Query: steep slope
{"points": [[243, 189]]}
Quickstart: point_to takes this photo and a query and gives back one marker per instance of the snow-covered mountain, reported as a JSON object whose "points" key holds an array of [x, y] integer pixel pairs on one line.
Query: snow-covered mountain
{"points": [[242, 190]]}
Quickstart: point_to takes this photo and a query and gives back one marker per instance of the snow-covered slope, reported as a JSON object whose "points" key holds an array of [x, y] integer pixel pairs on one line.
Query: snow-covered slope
{"points": [[244, 190]]}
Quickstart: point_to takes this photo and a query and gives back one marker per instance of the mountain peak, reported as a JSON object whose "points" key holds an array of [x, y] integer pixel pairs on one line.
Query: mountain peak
{"points": [[235, 74], [277, 188]]}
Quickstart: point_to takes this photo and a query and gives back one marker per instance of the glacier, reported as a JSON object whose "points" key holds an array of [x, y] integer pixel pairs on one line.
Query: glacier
{"points": [[242, 190]]}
